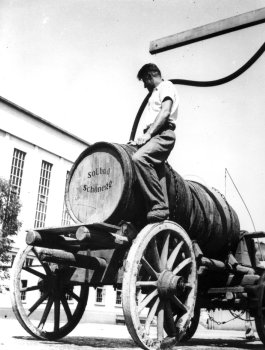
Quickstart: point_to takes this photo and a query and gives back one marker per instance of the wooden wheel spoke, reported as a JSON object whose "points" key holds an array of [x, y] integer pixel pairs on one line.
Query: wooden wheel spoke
{"points": [[164, 253], [45, 266], [169, 319], [182, 265], [73, 295], [56, 315], [66, 307], [46, 313], [146, 284], [160, 321], [36, 253], [148, 268], [178, 303], [29, 289], [147, 300], [151, 315], [37, 303], [155, 255], [34, 272], [174, 255]]}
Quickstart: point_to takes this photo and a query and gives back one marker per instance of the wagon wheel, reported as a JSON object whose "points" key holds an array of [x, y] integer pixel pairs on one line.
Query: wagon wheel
{"points": [[45, 301], [159, 285], [193, 325], [260, 317]]}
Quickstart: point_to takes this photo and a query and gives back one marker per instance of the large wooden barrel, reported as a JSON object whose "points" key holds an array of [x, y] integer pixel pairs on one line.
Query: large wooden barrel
{"points": [[102, 187]]}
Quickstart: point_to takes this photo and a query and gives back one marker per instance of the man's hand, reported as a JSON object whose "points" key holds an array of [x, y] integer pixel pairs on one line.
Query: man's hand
{"points": [[132, 142], [143, 139]]}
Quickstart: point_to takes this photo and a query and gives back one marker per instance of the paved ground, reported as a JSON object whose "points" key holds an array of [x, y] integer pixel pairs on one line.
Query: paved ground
{"points": [[103, 337]]}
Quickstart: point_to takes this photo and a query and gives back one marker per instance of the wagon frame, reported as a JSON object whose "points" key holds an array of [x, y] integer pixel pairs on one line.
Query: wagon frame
{"points": [[161, 269]]}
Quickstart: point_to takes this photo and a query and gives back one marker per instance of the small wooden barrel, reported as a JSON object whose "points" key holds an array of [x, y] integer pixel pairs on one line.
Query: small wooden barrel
{"points": [[99, 186]]}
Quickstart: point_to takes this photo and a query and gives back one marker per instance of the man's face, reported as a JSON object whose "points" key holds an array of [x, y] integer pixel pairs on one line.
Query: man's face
{"points": [[148, 83]]}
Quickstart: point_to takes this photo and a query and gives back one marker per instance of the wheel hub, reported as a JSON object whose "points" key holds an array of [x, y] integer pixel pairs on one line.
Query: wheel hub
{"points": [[53, 284], [168, 283]]}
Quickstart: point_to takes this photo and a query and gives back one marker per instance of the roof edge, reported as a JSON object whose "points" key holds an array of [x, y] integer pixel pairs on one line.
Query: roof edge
{"points": [[43, 121]]}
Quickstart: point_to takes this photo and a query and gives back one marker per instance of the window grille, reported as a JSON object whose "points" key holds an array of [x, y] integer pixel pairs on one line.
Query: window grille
{"points": [[68, 296], [17, 171], [100, 295], [24, 284], [118, 297], [66, 219], [43, 194], [28, 262]]}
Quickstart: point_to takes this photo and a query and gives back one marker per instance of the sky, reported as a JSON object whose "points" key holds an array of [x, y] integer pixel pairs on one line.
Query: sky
{"points": [[74, 63]]}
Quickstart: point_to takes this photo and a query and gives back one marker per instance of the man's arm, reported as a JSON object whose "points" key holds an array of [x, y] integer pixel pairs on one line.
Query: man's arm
{"points": [[159, 122]]}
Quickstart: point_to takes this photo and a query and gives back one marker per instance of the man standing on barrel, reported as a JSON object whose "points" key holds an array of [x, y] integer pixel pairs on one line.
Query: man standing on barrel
{"points": [[157, 140]]}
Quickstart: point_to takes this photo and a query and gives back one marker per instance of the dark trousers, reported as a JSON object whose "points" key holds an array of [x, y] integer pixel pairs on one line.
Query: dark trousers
{"points": [[146, 160]]}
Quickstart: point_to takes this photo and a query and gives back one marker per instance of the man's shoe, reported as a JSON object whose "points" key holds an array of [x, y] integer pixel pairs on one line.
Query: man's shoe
{"points": [[157, 216], [250, 334], [168, 343]]}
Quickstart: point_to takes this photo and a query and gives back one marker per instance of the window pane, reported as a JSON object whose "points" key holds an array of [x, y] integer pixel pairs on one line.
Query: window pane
{"points": [[118, 297], [100, 295], [24, 284], [17, 171], [43, 192]]}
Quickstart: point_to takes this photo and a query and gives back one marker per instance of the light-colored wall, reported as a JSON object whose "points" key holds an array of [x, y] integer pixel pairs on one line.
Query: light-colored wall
{"points": [[102, 313], [30, 180], [39, 132], [40, 141]]}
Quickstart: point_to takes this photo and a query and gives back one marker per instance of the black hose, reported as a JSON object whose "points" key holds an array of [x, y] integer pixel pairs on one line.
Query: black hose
{"points": [[226, 79], [138, 116], [216, 82]]}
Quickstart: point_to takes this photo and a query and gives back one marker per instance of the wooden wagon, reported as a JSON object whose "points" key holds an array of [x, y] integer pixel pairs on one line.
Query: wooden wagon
{"points": [[168, 271]]}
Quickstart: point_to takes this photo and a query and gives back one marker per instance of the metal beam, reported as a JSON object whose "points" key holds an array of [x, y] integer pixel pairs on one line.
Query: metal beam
{"points": [[208, 31]]}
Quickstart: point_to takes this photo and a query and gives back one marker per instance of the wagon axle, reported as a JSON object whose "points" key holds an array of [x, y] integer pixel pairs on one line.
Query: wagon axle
{"points": [[169, 284], [54, 284]]}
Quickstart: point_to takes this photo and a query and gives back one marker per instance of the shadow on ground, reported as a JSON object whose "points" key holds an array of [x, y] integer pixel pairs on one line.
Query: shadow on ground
{"points": [[127, 344], [238, 343], [93, 342]]}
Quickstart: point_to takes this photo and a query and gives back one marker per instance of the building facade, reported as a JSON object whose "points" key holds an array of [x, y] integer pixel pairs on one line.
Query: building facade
{"points": [[36, 157]]}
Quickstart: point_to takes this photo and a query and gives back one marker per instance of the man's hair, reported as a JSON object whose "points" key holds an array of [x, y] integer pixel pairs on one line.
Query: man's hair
{"points": [[148, 70]]}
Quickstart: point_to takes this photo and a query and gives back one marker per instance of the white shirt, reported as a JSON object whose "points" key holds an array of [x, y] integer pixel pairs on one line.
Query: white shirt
{"points": [[154, 106]]}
